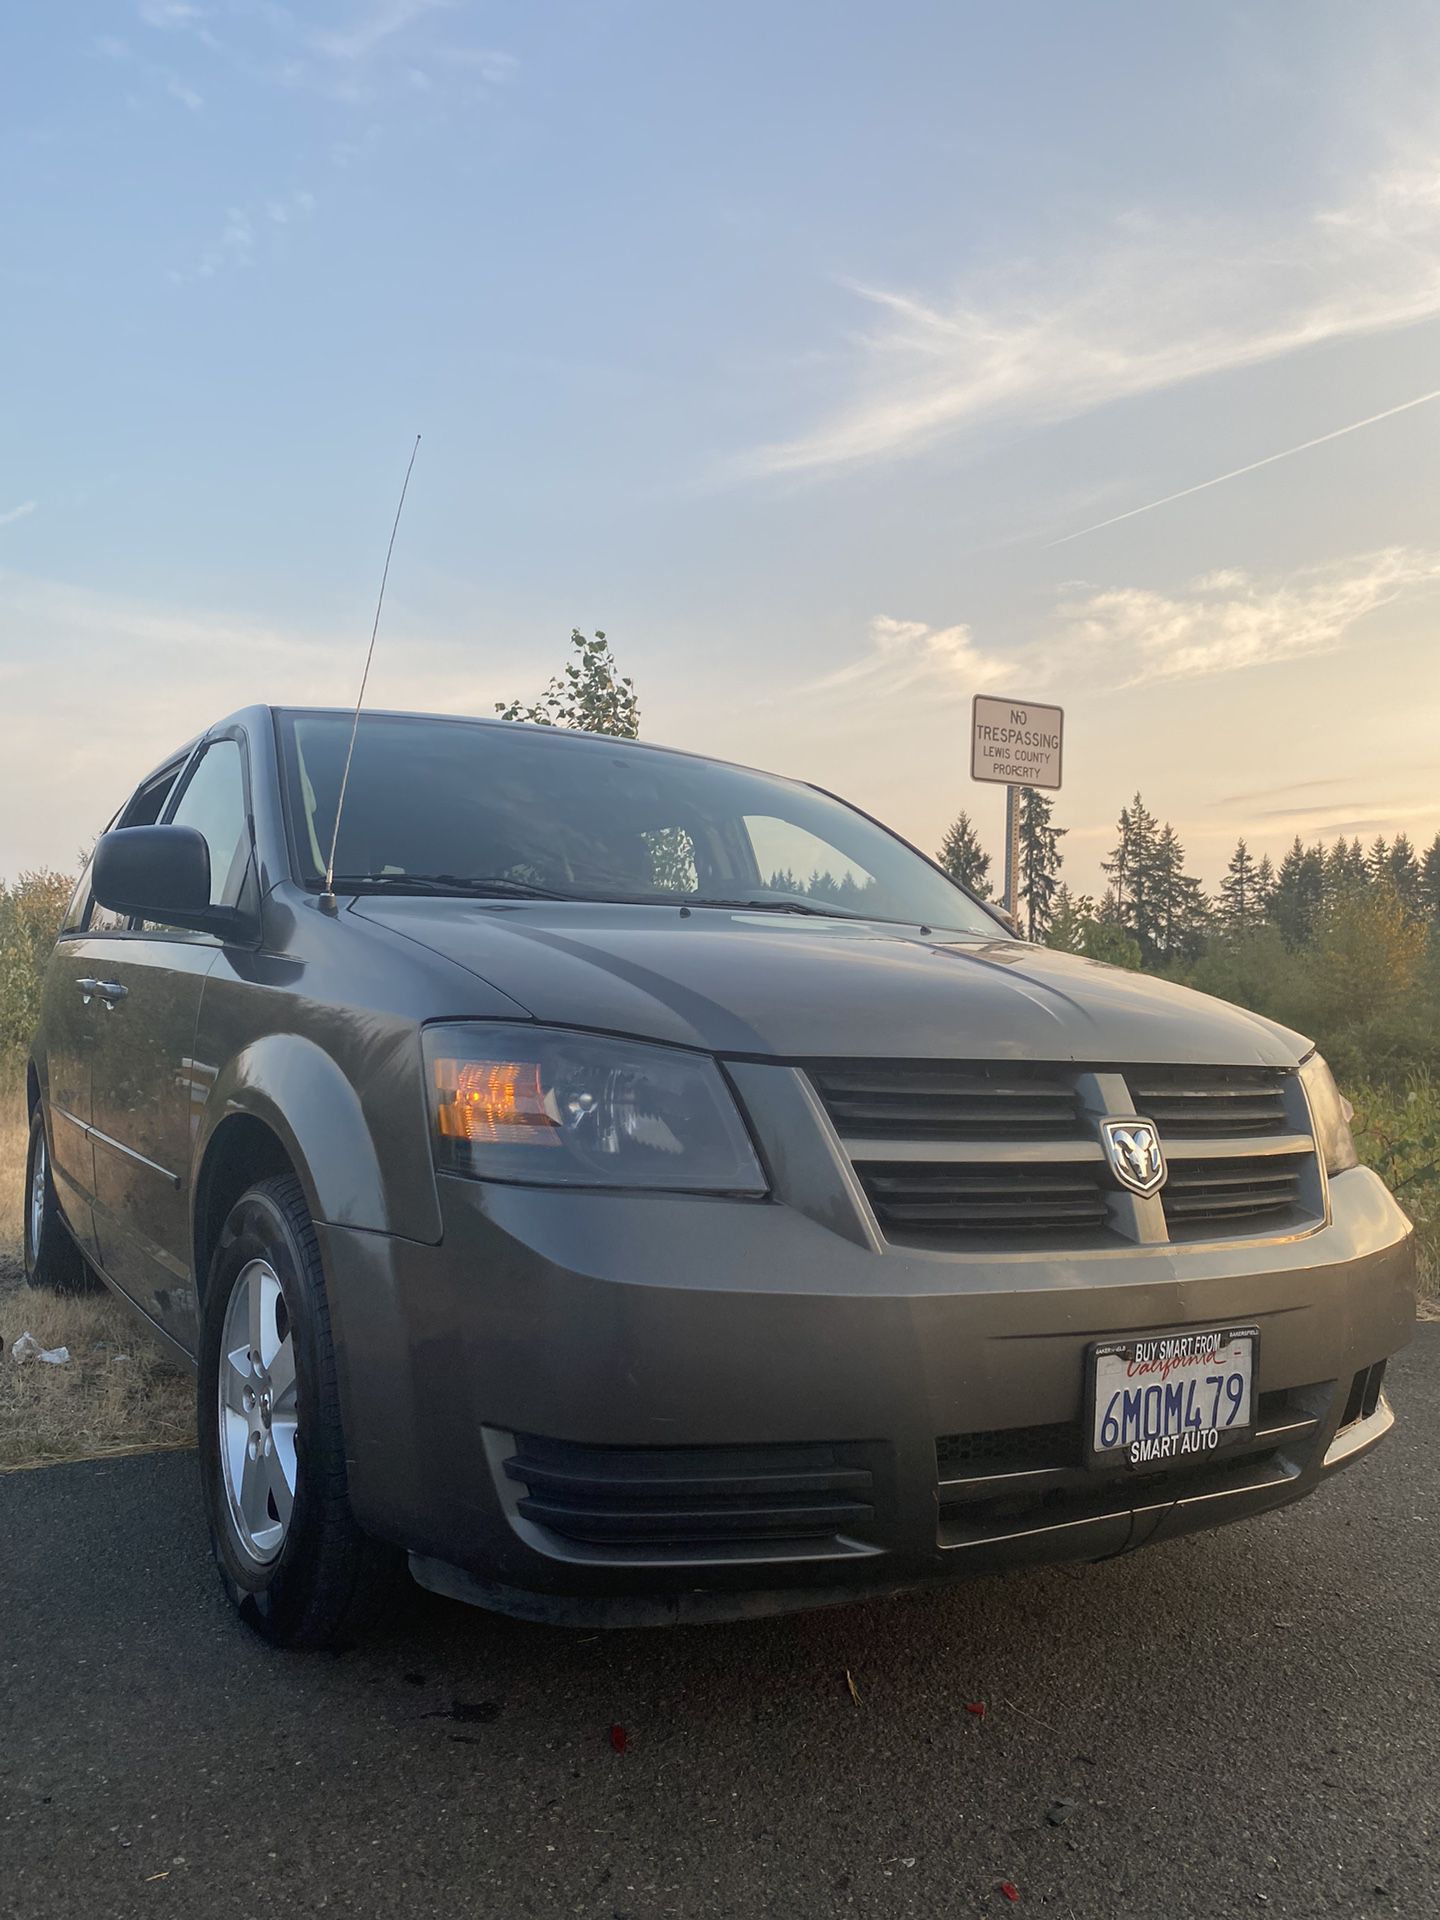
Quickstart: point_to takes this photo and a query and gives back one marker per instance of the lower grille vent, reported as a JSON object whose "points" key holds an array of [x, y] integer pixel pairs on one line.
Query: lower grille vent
{"points": [[689, 1496]]}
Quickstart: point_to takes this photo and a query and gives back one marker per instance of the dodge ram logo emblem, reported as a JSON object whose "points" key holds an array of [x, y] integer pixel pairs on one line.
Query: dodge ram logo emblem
{"points": [[1136, 1158]]}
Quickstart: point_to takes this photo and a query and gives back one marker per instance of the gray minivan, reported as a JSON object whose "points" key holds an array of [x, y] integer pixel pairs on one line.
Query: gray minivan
{"points": [[644, 1189]]}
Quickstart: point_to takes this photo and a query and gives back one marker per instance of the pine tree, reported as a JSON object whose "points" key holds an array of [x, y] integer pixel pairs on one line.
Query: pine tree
{"points": [[1299, 893], [1264, 884], [1430, 880], [964, 859], [1040, 860], [1132, 872], [1076, 927], [1344, 868], [1404, 872], [1180, 905], [1239, 907], [1067, 920], [1377, 861]]}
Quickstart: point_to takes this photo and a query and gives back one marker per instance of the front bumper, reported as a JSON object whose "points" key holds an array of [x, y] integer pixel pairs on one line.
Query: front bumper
{"points": [[611, 1321]]}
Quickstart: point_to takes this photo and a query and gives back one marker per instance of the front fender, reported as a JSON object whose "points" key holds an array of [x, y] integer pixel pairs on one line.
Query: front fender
{"points": [[351, 1177]]}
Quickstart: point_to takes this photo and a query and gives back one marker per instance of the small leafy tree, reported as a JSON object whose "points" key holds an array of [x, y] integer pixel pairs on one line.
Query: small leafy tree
{"points": [[963, 857], [30, 914], [1076, 927], [1368, 954], [590, 694]]}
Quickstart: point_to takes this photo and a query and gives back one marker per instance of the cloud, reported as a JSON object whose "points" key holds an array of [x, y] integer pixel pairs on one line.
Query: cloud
{"points": [[1235, 473], [1147, 304], [17, 513], [236, 243], [905, 655], [372, 29], [109, 46], [274, 46], [182, 91], [495, 69], [169, 13], [1228, 621], [1114, 638]]}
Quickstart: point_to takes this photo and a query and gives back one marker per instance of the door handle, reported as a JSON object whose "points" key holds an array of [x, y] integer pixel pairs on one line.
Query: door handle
{"points": [[110, 991]]}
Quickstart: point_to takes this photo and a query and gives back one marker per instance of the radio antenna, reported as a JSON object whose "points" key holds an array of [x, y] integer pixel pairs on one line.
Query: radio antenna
{"points": [[327, 899]]}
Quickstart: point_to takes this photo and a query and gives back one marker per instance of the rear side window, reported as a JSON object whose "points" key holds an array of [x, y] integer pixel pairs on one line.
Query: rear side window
{"points": [[142, 809], [213, 802]]}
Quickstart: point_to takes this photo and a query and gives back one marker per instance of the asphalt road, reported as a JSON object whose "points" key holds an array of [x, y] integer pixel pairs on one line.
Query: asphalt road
{"points": [[1240, 1724]]}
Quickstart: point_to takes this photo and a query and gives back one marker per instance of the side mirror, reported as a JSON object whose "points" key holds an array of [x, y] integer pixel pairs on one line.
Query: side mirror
{"points": [[160, 873]]}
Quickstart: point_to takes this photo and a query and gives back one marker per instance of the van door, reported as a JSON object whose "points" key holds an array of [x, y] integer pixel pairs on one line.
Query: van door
{"points": [[140, 1100], [69, 1021]]}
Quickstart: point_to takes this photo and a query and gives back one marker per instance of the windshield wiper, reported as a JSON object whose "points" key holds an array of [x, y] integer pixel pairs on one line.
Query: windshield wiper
{"points": [[497, 886], [779, 906]]}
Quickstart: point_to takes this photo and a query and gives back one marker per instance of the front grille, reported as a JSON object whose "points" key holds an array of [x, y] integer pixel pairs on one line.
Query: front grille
{"points": [[936, 1197], [1009, 1450], [1060, 1447], [1231, 1192], [678, 1497], [983, 1155], [939, 1101], [1210, 1103], [1013, 1478]]}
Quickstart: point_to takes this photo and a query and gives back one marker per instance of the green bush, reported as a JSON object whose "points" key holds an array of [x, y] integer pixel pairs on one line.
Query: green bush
{"points": [[1397, 1132], [30, 914]]}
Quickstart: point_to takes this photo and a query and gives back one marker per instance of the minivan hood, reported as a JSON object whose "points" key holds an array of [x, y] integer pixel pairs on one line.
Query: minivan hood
{"points": [[744, 983]]}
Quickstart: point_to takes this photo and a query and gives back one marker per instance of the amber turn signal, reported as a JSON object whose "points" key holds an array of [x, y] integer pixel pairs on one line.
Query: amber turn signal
{"points": [[492, 1102]]}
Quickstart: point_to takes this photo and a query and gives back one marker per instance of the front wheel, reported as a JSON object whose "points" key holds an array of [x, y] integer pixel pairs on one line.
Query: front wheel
{"points": [[52, 1259], [272, 1450]]}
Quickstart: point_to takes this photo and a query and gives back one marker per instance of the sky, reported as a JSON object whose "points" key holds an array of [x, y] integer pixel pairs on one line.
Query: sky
{"points": [[839, 361]]}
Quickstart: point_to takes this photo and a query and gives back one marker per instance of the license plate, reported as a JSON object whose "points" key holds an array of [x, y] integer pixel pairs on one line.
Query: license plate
{"points": [[1171, 1398]]}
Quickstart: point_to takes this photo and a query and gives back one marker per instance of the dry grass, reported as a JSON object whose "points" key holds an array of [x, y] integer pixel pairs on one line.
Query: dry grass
{"points": [[119, 1392]]}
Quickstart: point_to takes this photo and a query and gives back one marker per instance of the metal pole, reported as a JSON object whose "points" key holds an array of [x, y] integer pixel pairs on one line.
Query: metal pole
{"points": [[1012, 852]]}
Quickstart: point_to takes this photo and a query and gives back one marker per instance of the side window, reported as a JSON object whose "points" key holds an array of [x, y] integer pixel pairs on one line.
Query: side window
{"points": [[149, 803], [213, 801], [142, 809]]}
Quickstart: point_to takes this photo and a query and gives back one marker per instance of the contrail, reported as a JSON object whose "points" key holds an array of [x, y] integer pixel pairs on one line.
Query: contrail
{"points": [[1235, 472]]}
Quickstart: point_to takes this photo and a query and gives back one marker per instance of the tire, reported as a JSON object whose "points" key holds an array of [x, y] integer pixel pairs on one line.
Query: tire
{"points": [[296, 1566], [52, 1259]]}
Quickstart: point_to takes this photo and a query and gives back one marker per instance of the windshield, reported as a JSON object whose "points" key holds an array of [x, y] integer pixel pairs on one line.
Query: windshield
{"points": [[452, 806]]}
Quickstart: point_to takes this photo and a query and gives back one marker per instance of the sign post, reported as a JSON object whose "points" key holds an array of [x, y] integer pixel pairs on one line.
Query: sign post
{"points": [[1015, 743]]}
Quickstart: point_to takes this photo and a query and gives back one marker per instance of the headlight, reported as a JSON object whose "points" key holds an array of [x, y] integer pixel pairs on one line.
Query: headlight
{"points": [[1331, 1114], [571, 1110]]}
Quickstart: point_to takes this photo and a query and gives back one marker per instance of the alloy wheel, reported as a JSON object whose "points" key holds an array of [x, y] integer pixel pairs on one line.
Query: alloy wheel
{"points": [[39, 1173], [258, 1412]]}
